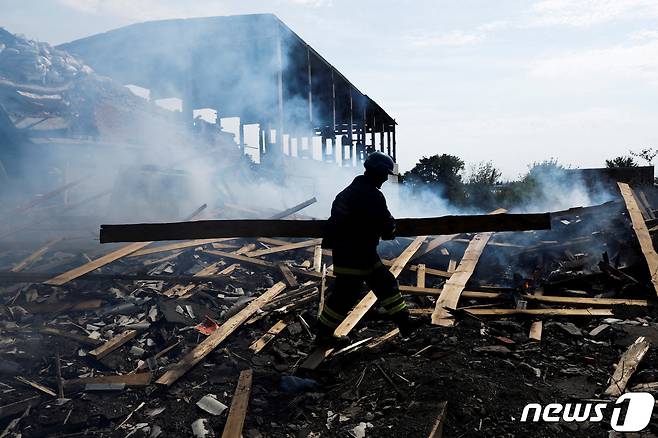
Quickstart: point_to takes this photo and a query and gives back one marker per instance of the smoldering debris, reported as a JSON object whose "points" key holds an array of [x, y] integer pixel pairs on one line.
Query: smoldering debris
{"points": [[545, 316]]}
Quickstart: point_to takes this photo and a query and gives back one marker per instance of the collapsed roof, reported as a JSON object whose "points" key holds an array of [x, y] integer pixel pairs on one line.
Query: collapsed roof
{"points": [[248, 66]]}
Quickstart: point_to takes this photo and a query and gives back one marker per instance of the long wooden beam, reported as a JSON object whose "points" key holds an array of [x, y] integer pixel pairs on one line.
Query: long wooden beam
{"points": [[210, 229], [239, 405], [533, 312], [453, 288], [198, 353], [641, 231]]}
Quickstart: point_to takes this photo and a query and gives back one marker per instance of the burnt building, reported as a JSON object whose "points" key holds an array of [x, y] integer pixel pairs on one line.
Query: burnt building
{"points": [[252, 67]]}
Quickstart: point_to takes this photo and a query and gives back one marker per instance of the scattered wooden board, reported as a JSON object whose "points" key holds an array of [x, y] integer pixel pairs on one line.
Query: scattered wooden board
{"points": [[111, 345], [383, 338], [224, 331], [260, 343], [95, 264], [282, 248], [535, 312], [453, 288], [317, 258], [19, 406], [369, 300], [36, 386], [287, 274], [175, 246], [34, 256], [137, 380], [641, 231], [238, 410], [437, 428], [420, 276], [626, 366], [535, 330]]}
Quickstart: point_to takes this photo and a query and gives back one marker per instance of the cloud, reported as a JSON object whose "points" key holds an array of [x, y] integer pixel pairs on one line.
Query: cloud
{"points": [[646, 34], [310, 3], [584, 13], [141, 10], [457, 38], [600, 67]]}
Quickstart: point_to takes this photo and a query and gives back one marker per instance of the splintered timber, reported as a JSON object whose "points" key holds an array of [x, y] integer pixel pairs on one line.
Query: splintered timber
{"points": [[314, 228]]}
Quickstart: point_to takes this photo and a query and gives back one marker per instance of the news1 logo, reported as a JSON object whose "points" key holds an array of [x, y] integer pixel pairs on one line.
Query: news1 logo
{"points": [[638, 412]]}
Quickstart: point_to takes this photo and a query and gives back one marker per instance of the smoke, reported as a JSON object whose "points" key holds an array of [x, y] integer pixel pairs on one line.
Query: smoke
{"points": [[154, 165]]}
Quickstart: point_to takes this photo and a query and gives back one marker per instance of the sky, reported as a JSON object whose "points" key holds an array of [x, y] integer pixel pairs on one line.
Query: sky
{"points": [[508, 81]]}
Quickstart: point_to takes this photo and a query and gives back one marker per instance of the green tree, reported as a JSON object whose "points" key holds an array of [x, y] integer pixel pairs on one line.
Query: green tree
{"points": [[647, 155], [621, 161], [438, 172], [481, 187]]}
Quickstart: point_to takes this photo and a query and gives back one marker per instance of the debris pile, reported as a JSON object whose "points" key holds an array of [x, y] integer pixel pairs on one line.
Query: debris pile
{"points": [[214, 336]]}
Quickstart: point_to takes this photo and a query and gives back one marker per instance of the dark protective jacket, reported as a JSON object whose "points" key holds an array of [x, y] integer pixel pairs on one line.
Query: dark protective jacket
{"points": [[359, 218]]}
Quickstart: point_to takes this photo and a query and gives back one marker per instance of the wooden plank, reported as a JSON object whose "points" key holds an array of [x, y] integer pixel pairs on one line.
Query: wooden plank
{"points": [[208, 229], [420, 276], [626, 366], [37, 386], [414, 290], [211, 270], [383, 338], [241, 258], [437, 428], [452, 266], [95, 264], [316, 357], [106, 259], [199, 352], [287, 274], [414, 268], [19, 406], [238, 410], [294, 209], [282, 248], [279, 242], [175, 246], [535, 330], [136, 380], [111, 345], [435, 243], [35, 255], [367, 302], [260, 343], [453, 288], [586, 301], [642, 233], [532, 312], [317, 258]]}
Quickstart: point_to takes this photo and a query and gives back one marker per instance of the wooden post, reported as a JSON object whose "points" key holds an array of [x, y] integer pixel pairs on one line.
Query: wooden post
{"points": [[420, 275], [394, 146], [279, 125], [241, 135], [641, 231], [388, 142]]}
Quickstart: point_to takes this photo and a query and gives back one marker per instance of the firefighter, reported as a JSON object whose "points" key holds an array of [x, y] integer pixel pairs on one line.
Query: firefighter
{"points": [[359, 218]]}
